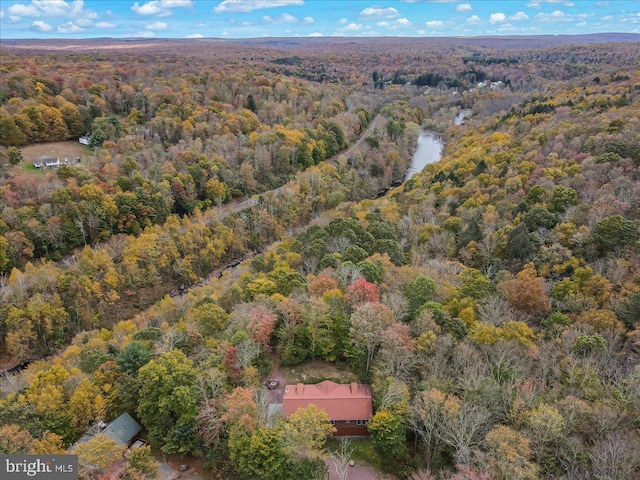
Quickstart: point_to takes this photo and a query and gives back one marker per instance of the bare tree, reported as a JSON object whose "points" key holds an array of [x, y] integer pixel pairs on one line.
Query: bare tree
{"points": [[616, 457], [338, 244], [170, 340], [262, 397], [11, 383], [368, 321], [463, 430], [347, 274], [395, 393], [341, 458], [208, 421], [496, 310], [247, 351], [398, 304]]}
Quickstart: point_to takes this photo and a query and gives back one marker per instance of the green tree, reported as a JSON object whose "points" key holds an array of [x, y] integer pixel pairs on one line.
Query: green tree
{"points": [[305, 432], [251, 103], [132, 357], [628, 311], [519, 244], [10, 134], [537, 194], [142, 460], [561, 198], [15, 156], [259, 455], [387, 432], [614, 232], [73, 119], [304, 159], [96, 454], [167, 405], [586, 344], [418, 292]]}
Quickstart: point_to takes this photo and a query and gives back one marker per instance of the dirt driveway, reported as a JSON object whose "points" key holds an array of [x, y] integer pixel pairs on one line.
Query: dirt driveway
{"points": [[359, 471]]}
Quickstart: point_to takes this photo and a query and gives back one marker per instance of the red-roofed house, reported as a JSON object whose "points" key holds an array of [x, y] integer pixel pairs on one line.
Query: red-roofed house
{"points": [[349, 406]]}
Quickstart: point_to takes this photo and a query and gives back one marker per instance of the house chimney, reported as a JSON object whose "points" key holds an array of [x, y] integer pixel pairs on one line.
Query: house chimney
{"points": [[299, 388], [354, 388]]}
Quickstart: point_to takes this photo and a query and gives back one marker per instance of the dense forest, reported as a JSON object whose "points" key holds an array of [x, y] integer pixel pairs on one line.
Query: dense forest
{"points": [[492, 301]]}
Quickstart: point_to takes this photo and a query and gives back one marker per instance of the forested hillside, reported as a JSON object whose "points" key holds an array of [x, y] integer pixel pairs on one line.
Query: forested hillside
{"points": [[492, 301]]}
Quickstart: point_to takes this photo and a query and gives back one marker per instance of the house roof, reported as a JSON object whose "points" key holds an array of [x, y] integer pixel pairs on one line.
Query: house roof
{"points": [[122, 429], [340, 401]]}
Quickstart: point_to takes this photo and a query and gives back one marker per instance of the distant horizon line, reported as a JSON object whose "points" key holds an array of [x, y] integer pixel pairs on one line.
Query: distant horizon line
{"points": [[307, 37]]}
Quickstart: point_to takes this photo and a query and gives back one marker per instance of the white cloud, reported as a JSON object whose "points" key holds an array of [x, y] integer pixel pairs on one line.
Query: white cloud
{"points": [[309, 20], [315, 34], [21, 10], [422, 32], [506, 27], [538, 3], [581, 24], [464, 7], [40, 26], [51, 8], [176, 3], [160, 8], [157, 26], [84, 22], [284, 18], [555, 16], [498, 17], [14, 18], [435, 24], [195, 35], [144, 34], [149, 8], [1, 14], [380, 12], [400, 23], [473, 20], [342, 21], [519, 17], [353, 27], [106, 25], [245, 6], [70, 27], [607, 17]]}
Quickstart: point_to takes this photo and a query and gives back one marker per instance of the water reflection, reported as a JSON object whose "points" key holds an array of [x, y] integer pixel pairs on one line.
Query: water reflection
{"points": [[429, 150]]}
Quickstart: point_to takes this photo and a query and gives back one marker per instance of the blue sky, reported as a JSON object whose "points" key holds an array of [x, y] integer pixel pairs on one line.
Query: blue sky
{"points": [[290, 18]]}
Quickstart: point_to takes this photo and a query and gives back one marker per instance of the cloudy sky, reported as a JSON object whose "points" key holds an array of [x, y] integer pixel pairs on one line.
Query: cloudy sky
{"points": [[287, 18]]}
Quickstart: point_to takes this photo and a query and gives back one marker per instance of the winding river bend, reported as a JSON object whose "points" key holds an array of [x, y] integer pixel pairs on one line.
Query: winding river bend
{"points": [[429, 148]]}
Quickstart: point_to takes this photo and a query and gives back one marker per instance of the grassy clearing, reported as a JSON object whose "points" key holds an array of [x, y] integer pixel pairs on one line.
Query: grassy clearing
{"points": [[317, 371], [29, 168], [68, 149], [363, 451]]}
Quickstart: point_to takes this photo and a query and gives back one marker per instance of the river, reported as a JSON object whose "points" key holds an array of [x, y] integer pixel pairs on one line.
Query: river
{"points": [[429, 148]]}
